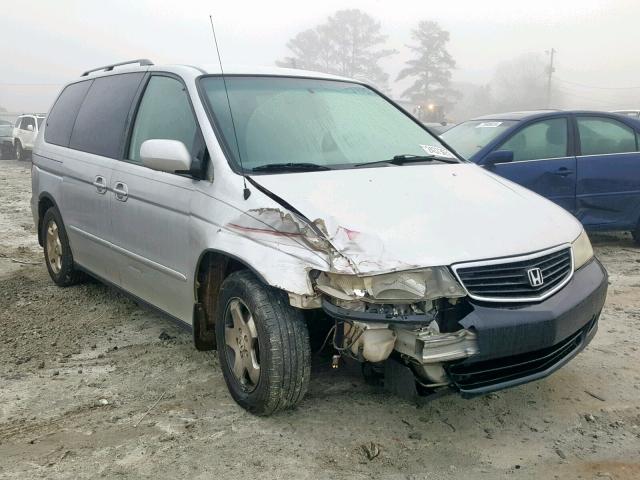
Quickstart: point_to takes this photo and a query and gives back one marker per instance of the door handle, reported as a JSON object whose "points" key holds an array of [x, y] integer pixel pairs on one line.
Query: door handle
{"points": [[563, 172], [101, 184], [121, 191]]}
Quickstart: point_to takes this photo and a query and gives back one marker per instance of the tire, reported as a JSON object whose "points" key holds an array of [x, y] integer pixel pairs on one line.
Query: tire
{"points": [[270, 333], [19, 152], [57, 253]]}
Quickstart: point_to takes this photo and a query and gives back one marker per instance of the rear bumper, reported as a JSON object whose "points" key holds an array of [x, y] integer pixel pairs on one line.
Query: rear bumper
{"points": [[520, 344]]}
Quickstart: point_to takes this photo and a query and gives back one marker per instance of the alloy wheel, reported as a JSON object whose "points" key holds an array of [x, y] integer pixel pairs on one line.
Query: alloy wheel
{"points": [[54, 247], [241, 341]]}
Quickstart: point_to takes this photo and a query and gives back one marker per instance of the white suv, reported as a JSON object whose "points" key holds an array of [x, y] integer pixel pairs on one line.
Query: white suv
{"points": [[25, 132], [252, 205]]}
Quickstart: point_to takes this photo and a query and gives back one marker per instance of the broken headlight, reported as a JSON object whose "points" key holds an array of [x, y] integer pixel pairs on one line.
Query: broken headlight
{"points": [[426, 284], [582, 250]]}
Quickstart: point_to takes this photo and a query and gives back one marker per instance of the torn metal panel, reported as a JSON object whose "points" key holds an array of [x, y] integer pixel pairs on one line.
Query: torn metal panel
{"points": [[390, 219]]}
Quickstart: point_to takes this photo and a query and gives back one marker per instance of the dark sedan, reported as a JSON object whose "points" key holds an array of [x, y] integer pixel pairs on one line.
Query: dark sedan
{"points": [[587, 162]]}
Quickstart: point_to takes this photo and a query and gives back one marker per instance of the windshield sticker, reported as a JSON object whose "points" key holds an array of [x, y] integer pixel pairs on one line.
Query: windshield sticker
{"points": [[437, 151], [488, 124]]}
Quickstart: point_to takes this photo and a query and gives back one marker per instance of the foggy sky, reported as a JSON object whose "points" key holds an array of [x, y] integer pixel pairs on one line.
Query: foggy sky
{"points": [[49, 42]]}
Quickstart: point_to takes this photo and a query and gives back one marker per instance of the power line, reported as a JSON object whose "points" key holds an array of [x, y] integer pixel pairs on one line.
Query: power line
{"points": [[595, 87]]}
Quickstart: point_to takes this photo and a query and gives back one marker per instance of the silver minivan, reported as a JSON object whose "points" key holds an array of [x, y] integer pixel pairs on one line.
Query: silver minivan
{"points": [[247, 206]]}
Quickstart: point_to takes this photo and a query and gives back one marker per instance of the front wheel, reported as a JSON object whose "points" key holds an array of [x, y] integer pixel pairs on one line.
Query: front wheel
{"points": [[263, 345]]}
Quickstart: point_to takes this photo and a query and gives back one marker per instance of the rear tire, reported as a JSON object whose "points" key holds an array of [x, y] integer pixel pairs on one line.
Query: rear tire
{"points": [[19, 152], [263, 345], [57, 252]]}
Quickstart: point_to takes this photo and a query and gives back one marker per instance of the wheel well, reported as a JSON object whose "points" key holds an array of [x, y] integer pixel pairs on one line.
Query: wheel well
{"points": [[44, 204], [213, 268]]}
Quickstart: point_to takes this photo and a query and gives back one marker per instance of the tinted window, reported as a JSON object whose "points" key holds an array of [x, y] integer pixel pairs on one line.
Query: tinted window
{"points": [[540, 140], [599, 135], [100, 124], [469, 137], [18, 122], [63, 114], [28, 122], [165, 113]]}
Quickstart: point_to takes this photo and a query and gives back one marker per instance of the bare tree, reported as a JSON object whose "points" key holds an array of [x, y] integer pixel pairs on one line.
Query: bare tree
{"points": [[521, 84], [348, 43], [431, 67]]}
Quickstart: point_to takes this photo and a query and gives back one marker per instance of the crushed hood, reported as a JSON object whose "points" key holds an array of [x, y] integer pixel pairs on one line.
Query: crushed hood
{"points": [[396, 218]]}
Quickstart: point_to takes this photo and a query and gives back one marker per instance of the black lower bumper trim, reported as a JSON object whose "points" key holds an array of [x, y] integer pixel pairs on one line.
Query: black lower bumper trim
{"points": [[483, 377]]}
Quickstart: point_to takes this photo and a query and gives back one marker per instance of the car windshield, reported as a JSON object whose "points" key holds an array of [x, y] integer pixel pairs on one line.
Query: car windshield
{"points": [[302, 122], [469, 137]]}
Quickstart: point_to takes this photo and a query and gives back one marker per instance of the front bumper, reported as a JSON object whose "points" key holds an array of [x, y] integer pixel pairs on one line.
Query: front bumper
{"points": [[525, 342], [520, 344]]}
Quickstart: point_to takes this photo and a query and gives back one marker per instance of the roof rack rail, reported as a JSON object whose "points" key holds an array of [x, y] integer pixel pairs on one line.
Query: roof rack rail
{"points": [[143, 62]]}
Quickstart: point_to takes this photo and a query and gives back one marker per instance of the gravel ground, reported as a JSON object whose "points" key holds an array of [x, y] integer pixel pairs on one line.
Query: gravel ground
{"points": [[92, 385]]}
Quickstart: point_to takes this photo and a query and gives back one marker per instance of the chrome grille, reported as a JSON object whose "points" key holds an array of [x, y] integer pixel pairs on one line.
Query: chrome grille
{"points": [[508, 279]]}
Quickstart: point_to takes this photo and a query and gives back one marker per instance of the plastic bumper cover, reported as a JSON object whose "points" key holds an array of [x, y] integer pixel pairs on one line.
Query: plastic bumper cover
{"points": [[520, 344]]}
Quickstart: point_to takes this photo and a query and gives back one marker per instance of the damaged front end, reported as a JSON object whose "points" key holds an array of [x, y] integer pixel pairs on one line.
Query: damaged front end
{"points": [[410, 317]]}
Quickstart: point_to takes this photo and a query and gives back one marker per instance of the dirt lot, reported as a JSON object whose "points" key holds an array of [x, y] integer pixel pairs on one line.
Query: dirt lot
{"points": [[92, 385]]}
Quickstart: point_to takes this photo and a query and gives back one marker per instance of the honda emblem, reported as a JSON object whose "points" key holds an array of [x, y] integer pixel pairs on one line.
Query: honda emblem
{"points": [[535, 277]]}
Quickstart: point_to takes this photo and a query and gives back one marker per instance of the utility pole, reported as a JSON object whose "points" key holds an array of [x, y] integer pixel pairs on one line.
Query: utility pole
{"points": [[550, 71]]}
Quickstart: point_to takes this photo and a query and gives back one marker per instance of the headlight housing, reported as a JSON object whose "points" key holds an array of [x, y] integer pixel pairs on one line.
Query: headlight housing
{"points": [[397, 287], [582, 250]]}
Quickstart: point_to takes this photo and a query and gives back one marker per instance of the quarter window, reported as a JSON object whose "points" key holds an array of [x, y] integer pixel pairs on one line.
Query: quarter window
{"points": [[165, 113], [600, 135], [63, 114], [545, 139]]}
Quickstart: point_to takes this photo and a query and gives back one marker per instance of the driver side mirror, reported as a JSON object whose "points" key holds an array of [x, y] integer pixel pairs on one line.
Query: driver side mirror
{"points": [[30, 128], [498, 156], [169, 156]]}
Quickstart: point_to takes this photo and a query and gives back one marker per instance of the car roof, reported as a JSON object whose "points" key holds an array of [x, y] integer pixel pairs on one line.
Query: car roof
{"points": [[515, 115], [193, 71], [526, 115]]}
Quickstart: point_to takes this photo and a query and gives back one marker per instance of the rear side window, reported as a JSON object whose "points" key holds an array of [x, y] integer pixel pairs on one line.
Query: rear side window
{"points": [[63, 114], [600, 135], [545, 139], [100, 124], [165, 113]]}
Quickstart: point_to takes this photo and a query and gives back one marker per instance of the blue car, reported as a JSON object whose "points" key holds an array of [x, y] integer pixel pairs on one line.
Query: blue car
{"points": [[587, 162]]}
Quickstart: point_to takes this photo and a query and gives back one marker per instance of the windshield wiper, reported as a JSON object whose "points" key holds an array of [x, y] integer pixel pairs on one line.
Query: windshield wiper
{"points": [[290, 166], [404, 159]]}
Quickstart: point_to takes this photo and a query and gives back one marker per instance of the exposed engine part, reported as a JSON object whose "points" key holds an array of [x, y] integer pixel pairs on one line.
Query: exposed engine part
{"points": [[370, 342], [428, 345]]}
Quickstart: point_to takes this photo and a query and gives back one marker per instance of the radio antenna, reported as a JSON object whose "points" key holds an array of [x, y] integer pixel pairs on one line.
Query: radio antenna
{"points": [[246, 192]]}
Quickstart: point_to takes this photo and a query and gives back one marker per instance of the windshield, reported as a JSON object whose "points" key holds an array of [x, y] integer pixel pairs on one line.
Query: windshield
{"points": [[298, 120], [469, 137]]}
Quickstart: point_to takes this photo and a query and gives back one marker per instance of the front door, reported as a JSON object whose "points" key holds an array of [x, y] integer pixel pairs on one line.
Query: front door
{"points": [[543, 160], [151, 209]]}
